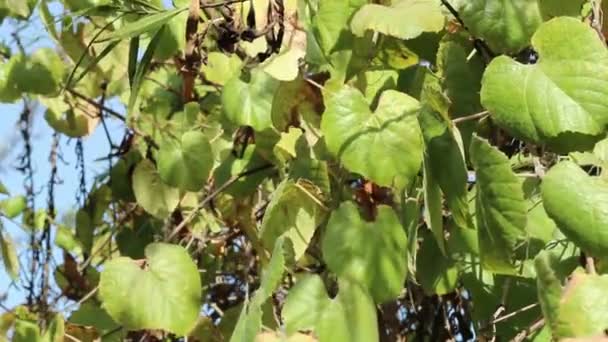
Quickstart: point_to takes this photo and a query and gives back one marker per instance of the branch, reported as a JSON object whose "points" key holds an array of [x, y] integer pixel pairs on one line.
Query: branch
{"points": [[516, 312], [94, 103], [525, 333], [214, 194], [476, 116]]}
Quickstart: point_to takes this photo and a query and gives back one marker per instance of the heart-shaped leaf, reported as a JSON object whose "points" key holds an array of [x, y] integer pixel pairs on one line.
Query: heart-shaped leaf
{"points": [[248, 100], [404, 19], [163, 294], [151, 193], [390, 137], [350, 316], [586, 222], [500, 208], [186, 164], [295, 212], [372, 253], [505, 25], [571, 76]]}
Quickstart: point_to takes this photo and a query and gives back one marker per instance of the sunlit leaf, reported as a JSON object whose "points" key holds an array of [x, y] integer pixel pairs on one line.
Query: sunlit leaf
{"points": [[164, 294], [404, 19], [569, 73], [151, 193]]}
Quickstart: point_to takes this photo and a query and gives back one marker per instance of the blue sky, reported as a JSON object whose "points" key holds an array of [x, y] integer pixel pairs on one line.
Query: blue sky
{"points": [[95, 146]]}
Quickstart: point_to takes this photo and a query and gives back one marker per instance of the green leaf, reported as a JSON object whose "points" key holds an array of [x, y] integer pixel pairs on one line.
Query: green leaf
{"points": [[294, 212], [155, 197], [557, 8], [446, 166], [390, 136], [371, 253], [499, 205], [438, 275], [578, 204], [568, 73], [13, 206], [186, 164], [433, 206], [9, 255], [26, 331], [583, 310], [549, 287], [146, 24], [165, 294], [247, 101], [3, 189], [55, 331], [40, 73], [250, 320], [331, 19], [350, 316], [220, 68], [91, 314], [143, 67], [9, 91], [506, 26], [404, 19]]}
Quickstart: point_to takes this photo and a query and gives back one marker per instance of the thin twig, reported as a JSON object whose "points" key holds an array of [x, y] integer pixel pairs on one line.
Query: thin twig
{"points": [[214, 194], [525, 333], [476, 116], [83, 299], [516, 312], [590, 265], [97, 105]]}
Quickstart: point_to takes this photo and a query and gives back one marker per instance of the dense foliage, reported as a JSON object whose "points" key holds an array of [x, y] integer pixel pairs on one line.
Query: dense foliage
{"points": [[317, 170]]}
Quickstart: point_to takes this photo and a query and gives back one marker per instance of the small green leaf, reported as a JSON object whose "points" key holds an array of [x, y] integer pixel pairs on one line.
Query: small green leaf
{"points": [[3, 189], [500, 208], [151, 193], [186, 164], [248, 102], [371, 253], [572, 68], [146, 24], [390, 136], [350, 316], [9, 255], [578, 204], [433, 206], [404, 19], [163, 294], [55, 331], [26, 331], [13, 206], [220, 68]]}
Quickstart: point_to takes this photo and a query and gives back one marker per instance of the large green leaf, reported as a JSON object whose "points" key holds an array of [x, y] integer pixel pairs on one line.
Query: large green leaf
{"points": [[165, 293], [505, 25], [248, 100], [404, 19], [390, 136], [220, 68], [499, 205], [186, 164], [350, 316], [293, 211], [371, 253], [151, 193], [572, 72], [578, 204], [583, 310]]}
